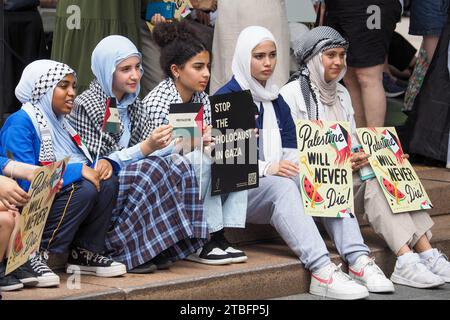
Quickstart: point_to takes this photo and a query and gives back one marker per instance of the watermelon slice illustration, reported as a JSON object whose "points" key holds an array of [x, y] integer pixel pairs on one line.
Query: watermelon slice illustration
{"points": [[426, 205], [345, 213], [308, 190], [18, 244], [390, 189]]}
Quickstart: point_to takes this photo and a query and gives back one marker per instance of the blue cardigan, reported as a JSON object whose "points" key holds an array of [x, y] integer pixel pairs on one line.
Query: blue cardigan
{"points": [[19, 136], [282, 111], [3, 162]]}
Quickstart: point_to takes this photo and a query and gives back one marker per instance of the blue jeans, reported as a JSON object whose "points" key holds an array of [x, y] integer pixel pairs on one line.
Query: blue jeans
{"points": [[428, 17], [227, 211]]}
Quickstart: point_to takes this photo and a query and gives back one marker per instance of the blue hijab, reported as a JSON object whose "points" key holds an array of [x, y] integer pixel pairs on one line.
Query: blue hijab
{"points": [[109, 53]]}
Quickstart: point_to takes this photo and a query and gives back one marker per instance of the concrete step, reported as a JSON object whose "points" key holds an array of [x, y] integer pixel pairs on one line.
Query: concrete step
{"points": [[272, 271]]}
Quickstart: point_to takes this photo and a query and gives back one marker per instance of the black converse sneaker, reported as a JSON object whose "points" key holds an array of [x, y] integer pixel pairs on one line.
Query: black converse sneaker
{"points": [[37, 266], [83, 261], [9, 282], [210, 254], [24, 275], [237, 256]]}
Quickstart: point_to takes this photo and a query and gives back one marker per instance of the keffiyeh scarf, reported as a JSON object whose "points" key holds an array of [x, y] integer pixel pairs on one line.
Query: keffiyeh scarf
{"points": [[157, 103]]}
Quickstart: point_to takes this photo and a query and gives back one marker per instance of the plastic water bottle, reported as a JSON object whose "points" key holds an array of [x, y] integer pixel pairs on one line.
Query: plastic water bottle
{"points": [[366, 172]]}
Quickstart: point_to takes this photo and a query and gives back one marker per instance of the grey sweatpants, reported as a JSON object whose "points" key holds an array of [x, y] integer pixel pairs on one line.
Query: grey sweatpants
{"points": [[396, 229], [277, 201]]}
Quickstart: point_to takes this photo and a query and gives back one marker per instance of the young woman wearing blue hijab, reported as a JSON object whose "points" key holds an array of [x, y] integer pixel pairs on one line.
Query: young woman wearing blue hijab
{"points": [[39, 134], [158, 217]]}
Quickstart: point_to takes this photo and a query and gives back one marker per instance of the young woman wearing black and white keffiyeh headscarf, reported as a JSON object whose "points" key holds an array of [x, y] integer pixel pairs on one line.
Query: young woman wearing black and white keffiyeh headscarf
{"points": [[158, 217], [185, 61], [317, 95], [81, 212]]}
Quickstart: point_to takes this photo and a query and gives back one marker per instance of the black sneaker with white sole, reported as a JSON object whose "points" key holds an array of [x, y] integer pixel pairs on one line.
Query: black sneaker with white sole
{"points": [[37, 267], [210, 254], [9, 282], [24, 275], [83, 261], [237, 256]]}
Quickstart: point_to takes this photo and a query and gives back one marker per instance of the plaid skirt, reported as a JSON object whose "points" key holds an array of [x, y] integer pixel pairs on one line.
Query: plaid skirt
{"points": [[158, 209]]}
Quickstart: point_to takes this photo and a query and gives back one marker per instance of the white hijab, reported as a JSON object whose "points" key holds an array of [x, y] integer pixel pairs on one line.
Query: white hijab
{"points": [[248, 40], [327, 90], [35, 91]]}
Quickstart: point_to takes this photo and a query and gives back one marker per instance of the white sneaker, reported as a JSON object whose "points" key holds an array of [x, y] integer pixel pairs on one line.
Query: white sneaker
{"points": [[439, 265], [331, 282], [414, 273], [367, 273]]}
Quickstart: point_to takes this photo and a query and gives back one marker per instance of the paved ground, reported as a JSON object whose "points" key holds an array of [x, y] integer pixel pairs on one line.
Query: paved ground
{"points": [[401, 293]]}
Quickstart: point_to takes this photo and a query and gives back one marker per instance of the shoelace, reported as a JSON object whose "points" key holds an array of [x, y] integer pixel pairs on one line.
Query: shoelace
{"points": [[89, 255], [441, 258], [371, 263], [339, 274], [38, 262]]}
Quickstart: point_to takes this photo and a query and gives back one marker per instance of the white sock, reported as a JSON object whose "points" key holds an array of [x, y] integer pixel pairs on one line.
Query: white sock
{"points": [[407, 257], [427, 254]]}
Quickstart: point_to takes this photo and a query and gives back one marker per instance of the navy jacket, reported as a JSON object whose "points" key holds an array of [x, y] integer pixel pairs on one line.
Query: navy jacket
{"points": [[282, 111]]}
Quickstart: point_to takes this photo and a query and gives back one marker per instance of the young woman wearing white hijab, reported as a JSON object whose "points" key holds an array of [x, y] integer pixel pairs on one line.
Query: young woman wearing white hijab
{"points": [[158, 218], [278, 200], [39, 134], [317, 94]]}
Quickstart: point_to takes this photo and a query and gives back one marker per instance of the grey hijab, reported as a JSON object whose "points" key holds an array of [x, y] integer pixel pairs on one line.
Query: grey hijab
{"points": [[306, 48]]}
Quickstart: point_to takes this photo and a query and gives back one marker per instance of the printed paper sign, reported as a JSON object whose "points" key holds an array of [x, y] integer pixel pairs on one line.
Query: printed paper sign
{"points": [[397, 178], [186, 119], [325, 170], [34, 215]]}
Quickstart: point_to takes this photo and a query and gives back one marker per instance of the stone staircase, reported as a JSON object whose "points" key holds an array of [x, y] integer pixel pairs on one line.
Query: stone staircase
{"points": [[271, 271]]}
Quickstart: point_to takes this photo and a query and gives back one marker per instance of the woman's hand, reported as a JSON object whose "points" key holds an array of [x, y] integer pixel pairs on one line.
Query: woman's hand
{"points": [[157, 19], [92, 176], [205, 5], [284, 168], [104, 169], [207, 137], [159, 139], [359, 160], [11, 195]]}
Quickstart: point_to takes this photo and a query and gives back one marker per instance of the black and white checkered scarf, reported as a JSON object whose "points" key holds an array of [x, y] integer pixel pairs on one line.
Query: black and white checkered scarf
{"points": [[88, 114], [158, 102], [35, 90], [305, 48]]}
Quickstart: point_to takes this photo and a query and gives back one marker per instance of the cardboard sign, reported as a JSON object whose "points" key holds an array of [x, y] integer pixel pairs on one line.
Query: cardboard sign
{"points": [[398, 180], [326, 181], [235, 161], [43, 189], [186, 119]]}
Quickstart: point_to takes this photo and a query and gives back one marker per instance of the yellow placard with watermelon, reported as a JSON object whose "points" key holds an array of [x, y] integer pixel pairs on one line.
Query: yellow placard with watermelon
{"points": [[28, 233], [325, 170], [397, 178]]}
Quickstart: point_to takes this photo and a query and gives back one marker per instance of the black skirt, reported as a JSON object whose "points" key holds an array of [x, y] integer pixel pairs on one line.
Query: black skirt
{"points": [[369, 35]]}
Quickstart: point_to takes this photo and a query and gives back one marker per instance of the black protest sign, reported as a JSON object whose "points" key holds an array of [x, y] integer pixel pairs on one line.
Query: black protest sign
{"points": [[235, 162]]}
